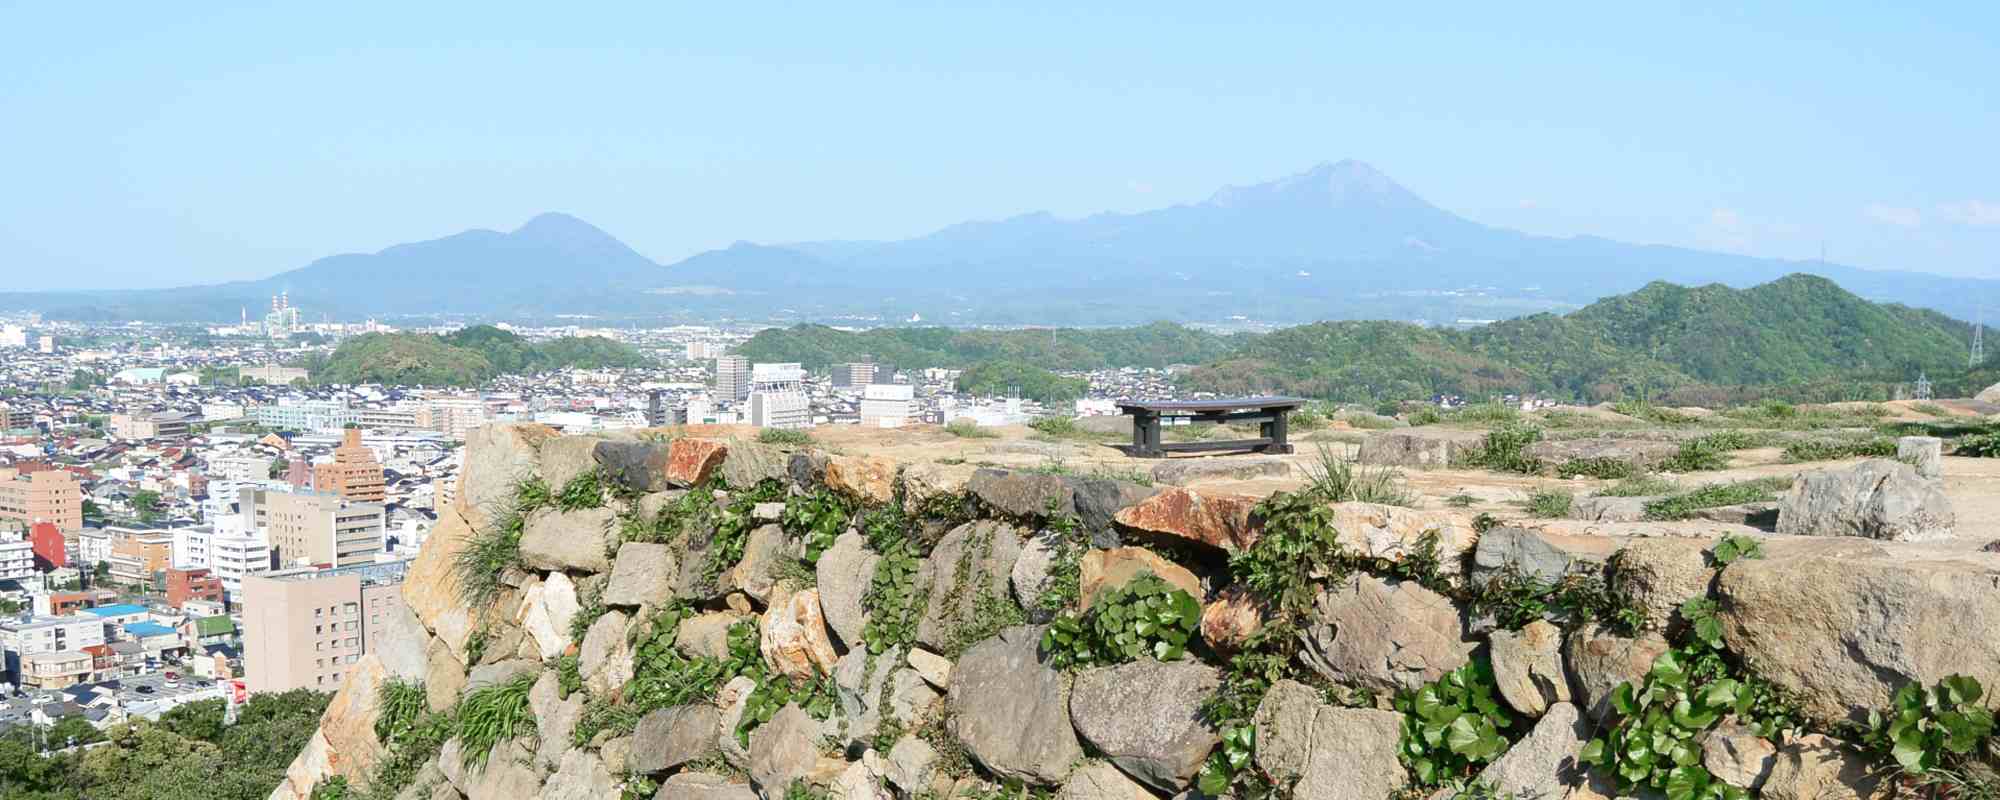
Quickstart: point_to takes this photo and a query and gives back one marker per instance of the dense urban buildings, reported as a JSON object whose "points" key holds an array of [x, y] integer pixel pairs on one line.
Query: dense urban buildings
{"points": [[44, 495], [354, 474], [305, 628], [306, 528]]}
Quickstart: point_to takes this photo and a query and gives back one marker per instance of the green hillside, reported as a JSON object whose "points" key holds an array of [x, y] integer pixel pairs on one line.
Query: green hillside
{"points": [[1155, 345], [1799, 336], [466, 357]]}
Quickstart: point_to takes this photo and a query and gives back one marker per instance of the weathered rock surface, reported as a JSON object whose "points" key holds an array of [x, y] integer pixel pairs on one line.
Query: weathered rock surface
{"points": [[507, 774], [844, 572], [1216, 520], [1875, 499], [1185, 471], [863, 693], [564, 458], [783, 750], [497, 458], [1610, 509], [929, 481], [1925, 454], [973, 558], [1106, 570], [1544, 556], [580, 776], [1599, 660], [1374, 530], [605, 662], [1101, 781], [431, 588], [1818, 768], [670, 737], [1030, 576], [1845, 623], [1230, 620], [690, 462], [640, 466], [567, 540], [643, 575], [1382, 635], [1098, 501], [1419, 447], [1546, 758], [1022, 495], [869, 479], [756, 574], [1639, 454], [1145, 716], [1528, 667], [1012, 712], [444, 676], [702, 786], [794, 640], [1737, 756], [707, 634], [1321, 751], [752, 463], [911, 764], [935, 669], [1658, 575]]}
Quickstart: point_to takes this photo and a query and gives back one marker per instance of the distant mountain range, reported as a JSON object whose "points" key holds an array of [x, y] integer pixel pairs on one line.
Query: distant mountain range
{"points": [[1338, 241]]}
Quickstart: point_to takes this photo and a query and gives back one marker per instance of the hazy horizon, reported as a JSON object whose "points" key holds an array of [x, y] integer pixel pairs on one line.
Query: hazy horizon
{"points": [[168, 147]]}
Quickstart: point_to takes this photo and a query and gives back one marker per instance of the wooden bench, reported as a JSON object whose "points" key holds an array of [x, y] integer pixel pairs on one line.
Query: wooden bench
{"points": [[1268, 412]]}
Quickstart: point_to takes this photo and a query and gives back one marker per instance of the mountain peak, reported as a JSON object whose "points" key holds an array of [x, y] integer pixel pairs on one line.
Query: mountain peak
{"points": [[1347, 183]]}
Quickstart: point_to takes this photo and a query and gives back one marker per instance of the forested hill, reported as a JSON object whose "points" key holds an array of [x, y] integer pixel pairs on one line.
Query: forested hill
{"points": [[1156, 345], [1800, 333], [466, 357]]}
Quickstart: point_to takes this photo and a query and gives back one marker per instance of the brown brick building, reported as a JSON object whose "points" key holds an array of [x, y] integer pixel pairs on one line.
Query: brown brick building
{"points": [[192, 584], [51, 495], [354, 474]]}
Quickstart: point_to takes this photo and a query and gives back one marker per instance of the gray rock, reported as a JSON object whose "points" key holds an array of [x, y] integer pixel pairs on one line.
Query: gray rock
{"points": [[1030, 575], [767, 512], [861, 692], [935, 669], [1353, 755], [700, 786], [403, 644], [1599, 660], [707, 635], [637, 465], [844, 573], [497, 459], [1736, 755], [1022, 495], [1756, 515], [733, 700], [1098, 501], [783, 750], [1101, 781], [1546, 557], [1639, 454], [566, 457], [1925, 454], [911, 765], [1425, 447], [1185, 471], [1546, 758], [507, 773], [553, 730], [1658, 575], [1145, 716], [1875, 499], [1815, 767], [499, 673], [1383, 635], [1284, 722], [643, 575], [605, 660], [1528, 667], [751, 463], [1843, 623], [1012, 712], [757, 574], [806, 470], [1610, 509], [986, 549], [670, 737], [444, 676], [567, 540], [580, 776]]}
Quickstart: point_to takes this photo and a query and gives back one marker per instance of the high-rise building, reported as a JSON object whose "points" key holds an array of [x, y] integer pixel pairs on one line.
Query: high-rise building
{"points": [[354, 474], [886, 405], [732, 378], [451, 416], [140, 557], [778, 397], [17, 559], [859, 373], [15, 418], [306, 628], [313, 528], [46, 495]]}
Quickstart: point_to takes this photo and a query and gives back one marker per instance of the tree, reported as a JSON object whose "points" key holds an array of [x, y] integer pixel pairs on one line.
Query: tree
{"points": [[147, 503], [278, 468]]}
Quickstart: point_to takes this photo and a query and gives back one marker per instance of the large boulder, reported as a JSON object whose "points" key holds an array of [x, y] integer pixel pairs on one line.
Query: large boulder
{"points": [[670, 737], [690, 462], [1925, 454], [844, 572], [565, 458], [557, 540], [884, 690], [783, 750], [764, 553], [605, 661], [344, 746], [868, 479], [1012, 712], [1188, 471], [640, 466], [974, 558], [1317, 750], [1528, 667], [581, 775], [1033, 570], [431, 588], [1098, 501], [928, 482], [644, 575], [1599, 659], [1544, 556], [1383, 635], [1425, 447], [444, 676], [793, 637], [1814, 767], [706, 635], [1875, 499], [1657, 575], [497, 459], [1022, 495], [1106, 570], [1546, 758], [1845, 623], [1228, 621], [508, 773], [1145, 716], [1736, 755], [752, 463], [402, 644], [1210, 519], [1374, 530]]}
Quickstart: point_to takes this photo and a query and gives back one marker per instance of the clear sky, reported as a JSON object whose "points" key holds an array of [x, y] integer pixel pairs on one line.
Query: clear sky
{"points": [[153, 144]]}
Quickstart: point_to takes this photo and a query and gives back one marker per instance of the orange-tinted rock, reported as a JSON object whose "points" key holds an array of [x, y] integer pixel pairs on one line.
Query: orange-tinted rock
{"points": [[691, 461], [1231, 620], [794, 639], [1104, 570], [1216, 520], [870, 479]]}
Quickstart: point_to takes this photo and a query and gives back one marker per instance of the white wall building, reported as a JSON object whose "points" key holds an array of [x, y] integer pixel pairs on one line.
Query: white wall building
{"points": [[307, 415], [778, 397], [191, 547], [886, 405], [17, 559], [233, 556], [20, 638]]}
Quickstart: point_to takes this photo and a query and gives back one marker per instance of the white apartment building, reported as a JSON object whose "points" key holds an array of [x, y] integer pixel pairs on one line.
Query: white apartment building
{"points": [[778, 397], [239, 468], [13, 336], [92, 546], [191, 547], [20, 639], [887, 405], [235, 556], [17, 559], [452, 416], [307, 415]]}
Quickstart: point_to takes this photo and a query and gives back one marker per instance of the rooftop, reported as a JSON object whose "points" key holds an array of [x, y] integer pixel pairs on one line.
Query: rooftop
{"points": [[116, 610]]}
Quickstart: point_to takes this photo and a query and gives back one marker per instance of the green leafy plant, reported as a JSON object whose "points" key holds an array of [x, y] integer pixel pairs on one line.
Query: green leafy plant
{"points": [[1239, 745], [1145, 617], [1453, 724], [1428, 415], [401, 704], [1927, 730], [1505, 450], [494, 714], [1550, 503], [965, 428], [1461, 500], [1984, 445], [1515, 598], [1063, 586], [1685, 504], [1639, 486], [1829, 450], [1655, 742], [1484, 522], [817, 519], [585, 491], [1336, 480], [783, 436], [1604, 468], [894, 605], [1736, 547], [492, 551]]}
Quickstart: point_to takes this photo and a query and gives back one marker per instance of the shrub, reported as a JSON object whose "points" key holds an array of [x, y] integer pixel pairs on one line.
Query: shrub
{"points": [[401, 704], [1337, 480], [1601, 467], [494, 714], [1735, 547], [1926, 730], [1829, 450], [1984, 445], [1491, 413], [1505, 450], [1550, 503], [584, 491], [1428, 415], [784, 436], [1709, 452], [1515, 598], [1639, 486], [1461, 500], [1684, 505], [1656, 741], [1145, 617], [1645, 410], [965, 428], [1059, 427], [1368, 422], [1453, 724]]}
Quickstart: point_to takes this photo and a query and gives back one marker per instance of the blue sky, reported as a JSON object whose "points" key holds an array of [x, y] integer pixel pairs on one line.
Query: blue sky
{"points": [[162, 144]]}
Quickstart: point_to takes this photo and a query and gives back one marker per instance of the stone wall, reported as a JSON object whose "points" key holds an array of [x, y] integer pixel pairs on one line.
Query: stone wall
{"points": [[652, 553]]}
